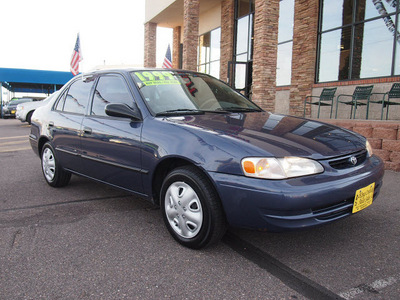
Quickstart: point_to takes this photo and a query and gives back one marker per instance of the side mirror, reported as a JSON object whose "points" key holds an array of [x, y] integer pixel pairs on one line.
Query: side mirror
{"points": [[121, 110]]}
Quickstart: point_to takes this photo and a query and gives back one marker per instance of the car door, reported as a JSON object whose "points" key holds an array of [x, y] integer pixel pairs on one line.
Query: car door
{"points": [[111, 146], [65, 123]]}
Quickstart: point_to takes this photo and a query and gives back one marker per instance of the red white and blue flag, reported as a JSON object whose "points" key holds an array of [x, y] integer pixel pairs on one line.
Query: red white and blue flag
{"points": [[167, 64], [76, 57]]}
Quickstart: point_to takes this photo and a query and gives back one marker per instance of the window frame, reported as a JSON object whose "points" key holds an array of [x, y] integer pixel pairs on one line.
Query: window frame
{"points": [[250, 36], [284, 42], [207, 61], [352, 27]]}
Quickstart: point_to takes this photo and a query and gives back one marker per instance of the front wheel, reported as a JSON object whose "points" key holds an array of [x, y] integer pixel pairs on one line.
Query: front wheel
{"points": [[191, 208], [29, 117], [54, 174]]}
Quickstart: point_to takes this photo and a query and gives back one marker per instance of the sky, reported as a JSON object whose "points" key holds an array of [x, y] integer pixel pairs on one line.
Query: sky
{"points": [[41, 34]]}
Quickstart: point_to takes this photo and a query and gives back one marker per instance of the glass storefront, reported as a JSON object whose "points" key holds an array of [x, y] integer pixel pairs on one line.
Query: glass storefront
{"points": [[285, 43], [358, 39], [210, 52]]}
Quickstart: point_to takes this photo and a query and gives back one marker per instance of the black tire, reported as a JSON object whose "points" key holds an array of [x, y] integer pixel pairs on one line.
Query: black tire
{"points": [[53, 172], [29, 117], [191, 208]]}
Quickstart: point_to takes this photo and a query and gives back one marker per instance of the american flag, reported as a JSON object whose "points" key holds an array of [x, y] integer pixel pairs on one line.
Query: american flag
{"points": [[167, 64], [76, 57]]}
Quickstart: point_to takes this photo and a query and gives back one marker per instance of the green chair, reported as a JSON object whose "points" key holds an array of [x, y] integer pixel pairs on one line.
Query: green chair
{"points": [[360, 97], [325, 99], [394, 93]]}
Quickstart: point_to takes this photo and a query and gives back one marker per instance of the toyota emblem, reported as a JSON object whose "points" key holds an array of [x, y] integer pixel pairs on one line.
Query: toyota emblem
{"points": [[353, 160]]}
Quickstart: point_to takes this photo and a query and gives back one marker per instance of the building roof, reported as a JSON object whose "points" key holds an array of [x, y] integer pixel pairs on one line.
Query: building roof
{"points": [[33, 81]]}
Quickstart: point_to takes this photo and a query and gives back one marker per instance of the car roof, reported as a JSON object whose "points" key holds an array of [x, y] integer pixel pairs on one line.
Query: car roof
{"points": [[130, 69]]}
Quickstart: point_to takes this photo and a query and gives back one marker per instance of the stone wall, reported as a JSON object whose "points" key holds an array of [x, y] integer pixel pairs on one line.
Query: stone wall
{"points": [[265, 53], [191, 11], [304, 53], [227, 26], [175, 47], [150, 44]]}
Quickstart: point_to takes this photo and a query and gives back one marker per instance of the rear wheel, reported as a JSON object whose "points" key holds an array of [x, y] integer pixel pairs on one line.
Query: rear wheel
{"points": [[54, 174], [191, 208]]}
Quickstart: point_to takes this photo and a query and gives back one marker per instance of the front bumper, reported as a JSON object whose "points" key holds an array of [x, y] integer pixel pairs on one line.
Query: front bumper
{"points": [[20, 116], [9, 113], [279, 205]]}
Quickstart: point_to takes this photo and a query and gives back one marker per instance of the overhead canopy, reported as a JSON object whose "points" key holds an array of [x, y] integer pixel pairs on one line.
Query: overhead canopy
{"points": [[33, 81]]}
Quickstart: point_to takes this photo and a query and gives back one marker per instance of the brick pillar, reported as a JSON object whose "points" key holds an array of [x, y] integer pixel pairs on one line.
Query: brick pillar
{"points": [[304, 54], [191, 10], [227, 27], [176, 46], [265, 53], [150, 35]]}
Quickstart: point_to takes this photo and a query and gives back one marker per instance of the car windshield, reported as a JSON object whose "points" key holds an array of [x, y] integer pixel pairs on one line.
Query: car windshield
{"points": [[174, 92]]}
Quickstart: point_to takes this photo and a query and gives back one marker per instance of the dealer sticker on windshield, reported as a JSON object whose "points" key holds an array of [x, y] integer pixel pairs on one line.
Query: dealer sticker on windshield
{"points": [[157, 78], [363, 198]]}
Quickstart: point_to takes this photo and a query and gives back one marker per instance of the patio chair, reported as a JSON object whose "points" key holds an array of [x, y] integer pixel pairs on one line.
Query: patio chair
{"points": [[325, 99], [360, 97], [394, 93]]}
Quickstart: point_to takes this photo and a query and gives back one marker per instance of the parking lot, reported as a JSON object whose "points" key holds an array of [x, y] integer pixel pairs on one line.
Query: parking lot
{"points": [[90, 241]]}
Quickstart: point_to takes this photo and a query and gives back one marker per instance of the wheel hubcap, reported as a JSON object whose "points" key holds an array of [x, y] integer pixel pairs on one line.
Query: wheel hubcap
{"points": [[48, 164], [183, 209]]}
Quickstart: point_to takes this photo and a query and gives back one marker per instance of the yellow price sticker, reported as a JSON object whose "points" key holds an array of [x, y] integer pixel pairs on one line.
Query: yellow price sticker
{"points": [[364, 197], [157, 78]]}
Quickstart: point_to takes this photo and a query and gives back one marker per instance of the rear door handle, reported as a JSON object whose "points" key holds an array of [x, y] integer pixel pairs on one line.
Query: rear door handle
{"points": [[87, 130]]}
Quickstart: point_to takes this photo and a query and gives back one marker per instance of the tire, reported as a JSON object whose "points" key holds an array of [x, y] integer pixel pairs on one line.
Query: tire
{"points": [[53, 173], [191, 208], [29, 117]]}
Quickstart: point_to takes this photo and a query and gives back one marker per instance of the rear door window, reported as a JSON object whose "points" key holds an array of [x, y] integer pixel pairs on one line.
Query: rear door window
{"points": [[76, 98]]}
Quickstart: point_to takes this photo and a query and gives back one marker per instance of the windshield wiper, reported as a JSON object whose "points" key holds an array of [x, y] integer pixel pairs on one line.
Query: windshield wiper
{"points": [[181, 111], [238, 109]]}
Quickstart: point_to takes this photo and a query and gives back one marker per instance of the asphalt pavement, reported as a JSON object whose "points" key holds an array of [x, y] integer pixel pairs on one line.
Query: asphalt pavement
{"points": [[90, 241]]}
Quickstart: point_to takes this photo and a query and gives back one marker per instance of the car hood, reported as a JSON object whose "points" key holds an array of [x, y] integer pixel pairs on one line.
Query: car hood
{"points": [[277, 135], [32, 105]]}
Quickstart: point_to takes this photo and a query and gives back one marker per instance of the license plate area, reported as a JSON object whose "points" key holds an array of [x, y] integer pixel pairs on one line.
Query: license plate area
{"points": [[363, 197]]}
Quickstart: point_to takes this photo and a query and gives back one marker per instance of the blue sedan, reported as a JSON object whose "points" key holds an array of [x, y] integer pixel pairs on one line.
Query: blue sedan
{"points": [[209, 157]]}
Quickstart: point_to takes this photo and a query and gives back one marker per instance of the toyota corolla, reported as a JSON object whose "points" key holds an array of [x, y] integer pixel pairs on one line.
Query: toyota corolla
{"points": [[209, 157]]}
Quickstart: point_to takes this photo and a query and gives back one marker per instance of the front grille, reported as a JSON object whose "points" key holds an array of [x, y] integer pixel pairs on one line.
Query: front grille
{"points": [[345, 162]]}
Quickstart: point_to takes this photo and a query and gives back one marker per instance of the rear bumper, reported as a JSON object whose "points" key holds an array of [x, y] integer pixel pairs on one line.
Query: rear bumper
{"points": [[279, 205]]}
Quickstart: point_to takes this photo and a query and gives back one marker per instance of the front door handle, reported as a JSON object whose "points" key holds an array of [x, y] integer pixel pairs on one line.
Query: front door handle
{"points": [[51, 124], [87, 130]]}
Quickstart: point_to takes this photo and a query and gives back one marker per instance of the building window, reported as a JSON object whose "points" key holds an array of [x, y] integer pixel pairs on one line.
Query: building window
{"points": [[285, 43], [358, 39], [209, 52], [244, 30]]}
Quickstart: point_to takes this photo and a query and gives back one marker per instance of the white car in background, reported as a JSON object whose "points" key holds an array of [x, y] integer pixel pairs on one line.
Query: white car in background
{"points": [[25, 110]]}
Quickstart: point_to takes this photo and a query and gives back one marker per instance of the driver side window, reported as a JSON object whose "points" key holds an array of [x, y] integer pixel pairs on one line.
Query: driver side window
{"points": [[110, 89]]}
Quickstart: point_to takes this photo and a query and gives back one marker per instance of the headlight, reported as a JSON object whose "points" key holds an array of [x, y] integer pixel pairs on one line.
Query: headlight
{"points": [[369, 148], [20, 107], [280, 168]]}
